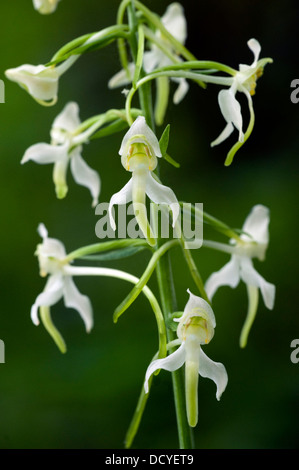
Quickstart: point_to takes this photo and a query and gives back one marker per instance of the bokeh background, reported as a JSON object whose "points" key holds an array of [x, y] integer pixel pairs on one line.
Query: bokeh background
{"points": [[85, 399]]}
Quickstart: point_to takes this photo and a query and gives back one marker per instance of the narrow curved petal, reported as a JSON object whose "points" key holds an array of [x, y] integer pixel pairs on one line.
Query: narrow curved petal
{"points": [[161, 194], [227, 131], [172, 362], [252, 278], [227, 276], [74, 299], [51, 295], [231, 110], [257, 223], [214, 371], [181, 91], [43, 153], [255, 47], [122, 197], [140, 132], [85, 176]]}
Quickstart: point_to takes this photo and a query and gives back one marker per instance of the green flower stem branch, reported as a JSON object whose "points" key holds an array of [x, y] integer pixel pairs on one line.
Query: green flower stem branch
{"points": [[116, 273]]}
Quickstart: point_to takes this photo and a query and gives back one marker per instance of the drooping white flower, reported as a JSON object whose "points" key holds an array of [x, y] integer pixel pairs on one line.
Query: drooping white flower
{"points": [[65, 150], [139, 151], [195, 328], [40, 81], [244, 81], [45, 7], [253, 244], [52, 261], [175, 22]]}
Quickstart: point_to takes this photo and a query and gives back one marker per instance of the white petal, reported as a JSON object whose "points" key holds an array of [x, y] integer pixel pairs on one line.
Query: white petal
{"points": [[85, 176], [45, 7], [74, 299], [229, 128], [45, 153], [41, 82], [227, 276], [121, 77], [196, 303], [181, 91], [214, 371], [68, 120], [151, 59], [42, 231], [251, 277], [172, 362], [257, 223], [255, 47], [161, 194], [175, 22], [50, 296], [140, 132], [231, 110], [51, 247], [122, 197]]}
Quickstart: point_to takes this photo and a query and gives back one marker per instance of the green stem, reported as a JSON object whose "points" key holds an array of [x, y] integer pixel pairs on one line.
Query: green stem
{"points": [[168, 302]]}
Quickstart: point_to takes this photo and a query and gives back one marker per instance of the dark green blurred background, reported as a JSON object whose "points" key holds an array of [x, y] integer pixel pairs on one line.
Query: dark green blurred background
{"points": [[85, 399]]}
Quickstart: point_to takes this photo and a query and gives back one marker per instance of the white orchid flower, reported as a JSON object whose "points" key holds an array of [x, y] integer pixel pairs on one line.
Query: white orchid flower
{"points": [[139, 151], [52, 261], [195, 328], [40, 81], [244, 81], [65, 150], [253, 244], [175, 23], [45, 7]]}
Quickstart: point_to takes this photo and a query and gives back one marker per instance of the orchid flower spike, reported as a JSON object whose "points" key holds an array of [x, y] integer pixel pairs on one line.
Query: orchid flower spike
{"points": [[244, 81], [175, 22], [195, 328], [45, 7], [52, 261], [65, 149], [139, 151], [253, 244], [40, 81]]}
